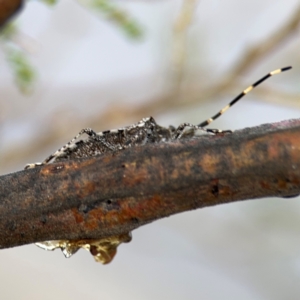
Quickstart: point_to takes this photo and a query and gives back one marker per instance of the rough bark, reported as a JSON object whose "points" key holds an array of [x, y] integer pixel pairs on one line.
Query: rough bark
{"points": [[116, 193]]}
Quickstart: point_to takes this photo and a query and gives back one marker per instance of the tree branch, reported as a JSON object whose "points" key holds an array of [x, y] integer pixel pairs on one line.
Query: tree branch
{"points": [[115, 193]]}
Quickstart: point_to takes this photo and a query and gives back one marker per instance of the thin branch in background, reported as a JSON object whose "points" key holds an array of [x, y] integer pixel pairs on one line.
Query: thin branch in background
{"points": [[257, 53], [113, 194], [246, 62], [180, 42], [275, 96]]}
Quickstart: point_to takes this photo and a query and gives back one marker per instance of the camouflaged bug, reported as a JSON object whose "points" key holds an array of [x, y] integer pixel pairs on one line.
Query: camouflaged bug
{"points": [[144, 132]]}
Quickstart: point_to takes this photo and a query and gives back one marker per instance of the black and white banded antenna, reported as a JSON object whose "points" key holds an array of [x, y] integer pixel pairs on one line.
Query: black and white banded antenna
{"points": [[242, 94]]}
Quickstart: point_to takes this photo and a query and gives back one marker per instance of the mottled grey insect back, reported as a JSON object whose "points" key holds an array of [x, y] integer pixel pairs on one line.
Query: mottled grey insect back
{"points": [[144, 132]]}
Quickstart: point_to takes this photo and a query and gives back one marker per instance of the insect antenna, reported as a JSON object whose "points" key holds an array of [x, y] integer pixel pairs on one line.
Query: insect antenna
{"points": [[242, 94]]}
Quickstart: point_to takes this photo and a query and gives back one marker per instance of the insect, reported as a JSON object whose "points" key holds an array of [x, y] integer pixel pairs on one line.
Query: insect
{"points": [[144, 132]]}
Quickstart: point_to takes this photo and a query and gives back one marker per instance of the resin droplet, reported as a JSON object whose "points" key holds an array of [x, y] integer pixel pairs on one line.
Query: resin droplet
{"points": [[103, 250]]}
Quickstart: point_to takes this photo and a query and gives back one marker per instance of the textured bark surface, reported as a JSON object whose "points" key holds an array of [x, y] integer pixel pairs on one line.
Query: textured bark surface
{"points": [[116, 193], [8, 8]]}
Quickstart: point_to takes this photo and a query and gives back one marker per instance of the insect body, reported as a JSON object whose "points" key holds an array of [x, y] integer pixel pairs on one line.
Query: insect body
{"points": [[144, 132]]}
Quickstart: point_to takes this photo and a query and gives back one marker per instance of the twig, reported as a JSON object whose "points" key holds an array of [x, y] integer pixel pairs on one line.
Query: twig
{"points": [[180, 43], [116, 193], [256, 53]]}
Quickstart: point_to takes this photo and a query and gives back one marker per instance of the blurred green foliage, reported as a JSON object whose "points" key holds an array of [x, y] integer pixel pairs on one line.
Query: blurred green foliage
{"points": [[118, 16], [24, 73], [8, 31], [49, 2]]}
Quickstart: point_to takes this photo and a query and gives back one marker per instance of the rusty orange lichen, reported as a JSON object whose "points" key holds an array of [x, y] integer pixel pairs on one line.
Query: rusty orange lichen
{"points": [[265, 185], [77, 215], [102, 197], [141, 175]]}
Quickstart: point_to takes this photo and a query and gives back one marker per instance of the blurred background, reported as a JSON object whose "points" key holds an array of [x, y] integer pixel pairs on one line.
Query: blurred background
{"points": [[178, 61]]}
